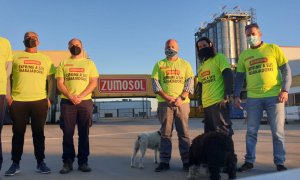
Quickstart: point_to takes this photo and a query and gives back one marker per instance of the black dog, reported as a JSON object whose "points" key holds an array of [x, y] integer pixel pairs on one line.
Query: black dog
{"points": [[215, 150]]}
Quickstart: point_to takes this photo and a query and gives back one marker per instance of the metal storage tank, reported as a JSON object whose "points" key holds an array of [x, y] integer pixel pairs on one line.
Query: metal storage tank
{"points": [[211, 33], [227, 32], [232, 44], [237, 35], [225, 38], [243, 40], [219, 45]]}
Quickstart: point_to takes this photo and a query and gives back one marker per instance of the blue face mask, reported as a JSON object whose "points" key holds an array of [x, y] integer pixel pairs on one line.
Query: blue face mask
{"points": [[170, 52], [253, 40]]}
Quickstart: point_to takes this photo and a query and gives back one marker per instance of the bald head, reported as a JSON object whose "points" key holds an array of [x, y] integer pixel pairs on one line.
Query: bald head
{"points": [[171, 43]]}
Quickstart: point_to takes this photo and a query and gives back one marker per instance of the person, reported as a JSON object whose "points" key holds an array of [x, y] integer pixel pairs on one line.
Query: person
{"points": [[268, 80], [215, 84], [5, 72], [76, 79], [173, 81], [29, 101]]}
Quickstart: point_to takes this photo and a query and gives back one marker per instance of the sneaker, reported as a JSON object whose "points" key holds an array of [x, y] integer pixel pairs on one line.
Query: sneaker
{"points": [[42, 168], [281, 168], [67, 167], [13, 170], [162, 167], [185, 167], [84, 168], [245, 167]]}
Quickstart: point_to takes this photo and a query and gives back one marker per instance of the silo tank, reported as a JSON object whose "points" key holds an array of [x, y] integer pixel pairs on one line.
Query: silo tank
{"points": [[225, 37]]}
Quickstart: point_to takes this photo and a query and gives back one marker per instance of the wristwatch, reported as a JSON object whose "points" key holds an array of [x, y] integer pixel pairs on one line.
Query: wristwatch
{"points": [[182, 98]]}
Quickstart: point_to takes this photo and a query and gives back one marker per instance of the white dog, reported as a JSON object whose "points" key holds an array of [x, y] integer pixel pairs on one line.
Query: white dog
{"points": [[150, 140]]}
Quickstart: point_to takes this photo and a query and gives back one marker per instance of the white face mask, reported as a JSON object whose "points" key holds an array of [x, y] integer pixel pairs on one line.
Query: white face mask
{"points": [[253, 40]]}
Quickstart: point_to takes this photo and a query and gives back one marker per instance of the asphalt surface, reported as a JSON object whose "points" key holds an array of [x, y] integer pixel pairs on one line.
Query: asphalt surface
{"points": [[111, 144]]}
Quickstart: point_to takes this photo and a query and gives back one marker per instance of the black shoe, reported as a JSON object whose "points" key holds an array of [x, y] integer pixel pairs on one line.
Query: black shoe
{"points": [[281, 168], [67, 167], [185, 167], [42, 168], [162, 167], [245, 167], [84, 168], [13, 170]]}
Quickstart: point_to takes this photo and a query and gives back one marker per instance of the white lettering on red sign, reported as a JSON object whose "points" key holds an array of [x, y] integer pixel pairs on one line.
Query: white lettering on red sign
{"points": [[122, 85]]}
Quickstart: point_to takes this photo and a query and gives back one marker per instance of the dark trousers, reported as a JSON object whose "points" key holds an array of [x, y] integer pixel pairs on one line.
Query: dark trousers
{"points": [[21, 112], [216, 118], [2, 113], [71, 115]]}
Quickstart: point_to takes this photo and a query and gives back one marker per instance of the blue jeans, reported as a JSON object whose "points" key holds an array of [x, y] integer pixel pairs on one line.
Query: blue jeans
{"points": [[168, 117], [276, 118]]}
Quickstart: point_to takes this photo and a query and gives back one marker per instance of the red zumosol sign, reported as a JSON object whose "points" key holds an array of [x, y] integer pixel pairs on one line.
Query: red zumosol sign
{"points": [[122, 85]]}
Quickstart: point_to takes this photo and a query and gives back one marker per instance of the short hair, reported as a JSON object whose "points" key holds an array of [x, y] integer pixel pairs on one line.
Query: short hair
{"points": [[251, 26], [31, 32], [74, 39]]}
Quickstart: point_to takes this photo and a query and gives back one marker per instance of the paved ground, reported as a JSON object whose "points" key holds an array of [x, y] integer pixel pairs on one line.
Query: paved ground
{"points": [[111, 144]]}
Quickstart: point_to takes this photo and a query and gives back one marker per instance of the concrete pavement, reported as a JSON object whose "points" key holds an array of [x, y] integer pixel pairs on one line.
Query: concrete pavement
{"points": [[111, 143]]}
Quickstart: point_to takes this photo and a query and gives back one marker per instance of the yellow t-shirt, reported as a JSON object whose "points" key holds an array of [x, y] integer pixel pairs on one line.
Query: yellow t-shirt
{"points": [[30, 71], [5, 56], [210, 75], [261, 66], [172, 76], [77, 74]]}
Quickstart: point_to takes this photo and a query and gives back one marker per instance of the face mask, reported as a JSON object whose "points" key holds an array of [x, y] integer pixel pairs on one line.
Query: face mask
{"points": [[170, 52], [75, 50], [206, 53], [29, 43], [252, 40]]}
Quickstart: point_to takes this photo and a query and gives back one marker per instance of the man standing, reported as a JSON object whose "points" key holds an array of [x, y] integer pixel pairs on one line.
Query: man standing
{"points": [[173, 81], [5, 72], [268, 78], [29, 101], [76, 79], [215, 83]]}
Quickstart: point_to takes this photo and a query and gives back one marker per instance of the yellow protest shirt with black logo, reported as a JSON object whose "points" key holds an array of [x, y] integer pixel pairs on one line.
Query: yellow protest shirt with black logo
{"points": [[172, 76], [5, 56], [30, 71], [210, 75], [77, 74], [261, 66]]}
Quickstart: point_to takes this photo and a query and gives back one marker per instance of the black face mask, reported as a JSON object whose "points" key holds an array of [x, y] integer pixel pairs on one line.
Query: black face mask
{"points": [[75, 50], [29, 43], [206, 53]]}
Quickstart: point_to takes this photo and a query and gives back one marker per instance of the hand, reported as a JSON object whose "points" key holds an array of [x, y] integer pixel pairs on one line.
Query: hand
{"points": [[283, 96], [79, 98], [9, 100], [74, 99], [224, 102], [237, 103], [49, 103], [171, 101], [200, 107], [178, 102]]}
